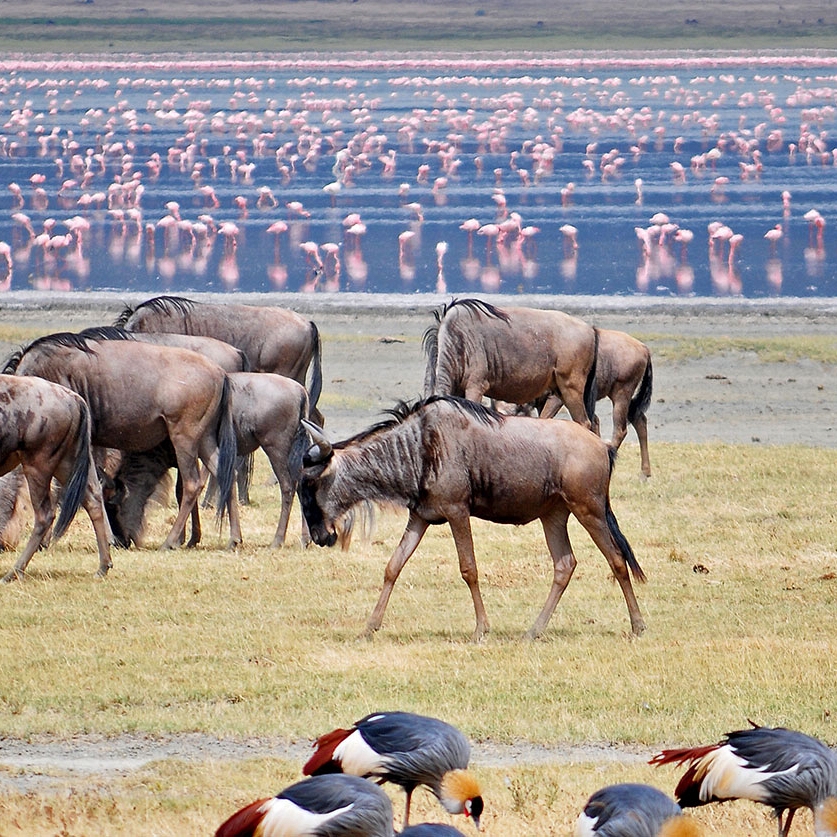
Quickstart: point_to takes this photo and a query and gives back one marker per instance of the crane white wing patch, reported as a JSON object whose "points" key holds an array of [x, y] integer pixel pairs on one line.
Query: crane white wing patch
{"points": [[357, 757], [284, 818]]}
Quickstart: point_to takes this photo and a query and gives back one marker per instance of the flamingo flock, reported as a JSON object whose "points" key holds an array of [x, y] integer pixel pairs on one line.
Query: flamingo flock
{"points": [[336, 174]]}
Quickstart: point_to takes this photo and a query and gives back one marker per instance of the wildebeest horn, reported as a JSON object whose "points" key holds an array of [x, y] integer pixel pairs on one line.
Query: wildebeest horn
{"points": [[321, 442]]}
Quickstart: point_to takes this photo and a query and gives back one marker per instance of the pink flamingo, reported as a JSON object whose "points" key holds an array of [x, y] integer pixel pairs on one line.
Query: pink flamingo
{"points": [[490, 231], [773, 236], [570, 234], [471, 225]]}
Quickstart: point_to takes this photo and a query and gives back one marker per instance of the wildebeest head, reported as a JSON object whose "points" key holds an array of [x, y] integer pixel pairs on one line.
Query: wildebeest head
{"points": [[316, 475]]}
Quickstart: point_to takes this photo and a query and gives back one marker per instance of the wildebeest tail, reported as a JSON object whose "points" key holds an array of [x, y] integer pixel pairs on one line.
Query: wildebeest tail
{"points": [[430, 345], [642, 398], [76, 485], [299, 445], [316, 374], [227, 450], [591, 394], [616, 533]]}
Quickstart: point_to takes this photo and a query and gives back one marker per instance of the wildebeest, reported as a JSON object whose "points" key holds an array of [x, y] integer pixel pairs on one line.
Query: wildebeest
{"points": [[227, 356], [624, 374], [140, 395], [273, 339], [267, 412], [512, 354], [45, 429], [448, 459]]}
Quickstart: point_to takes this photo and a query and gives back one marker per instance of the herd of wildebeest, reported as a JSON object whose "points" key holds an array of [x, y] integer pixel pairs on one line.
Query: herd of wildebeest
{"points": [[105, 413]]}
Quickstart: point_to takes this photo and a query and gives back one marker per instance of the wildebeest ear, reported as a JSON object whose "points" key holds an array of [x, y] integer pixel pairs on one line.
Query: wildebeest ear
{"points": [[314, 457], [321, 450]]}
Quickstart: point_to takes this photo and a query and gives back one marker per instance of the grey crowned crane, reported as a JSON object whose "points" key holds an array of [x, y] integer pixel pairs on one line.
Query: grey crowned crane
{"points": [[322, 806], [633, 810], [408, 750], [775, 766]]}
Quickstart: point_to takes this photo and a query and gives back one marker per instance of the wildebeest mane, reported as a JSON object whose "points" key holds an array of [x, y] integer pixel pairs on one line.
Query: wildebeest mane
{"points": [[161, 304], [106, 333], [403, 410], [472, 304], [61, 338], [430, 339]]}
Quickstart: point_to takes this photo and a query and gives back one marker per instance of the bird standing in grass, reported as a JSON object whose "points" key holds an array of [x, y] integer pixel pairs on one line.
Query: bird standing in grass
{"points": [[322, 806], [633, 810], [774, 766], [408, 750]]}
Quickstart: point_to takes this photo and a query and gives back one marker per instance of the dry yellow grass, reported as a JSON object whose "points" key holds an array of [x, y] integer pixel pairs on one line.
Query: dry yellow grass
{"points": [[742, 581]]}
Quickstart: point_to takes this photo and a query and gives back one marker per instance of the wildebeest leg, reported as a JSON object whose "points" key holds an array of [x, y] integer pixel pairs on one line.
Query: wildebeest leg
{"points": [[210, 459], [641, 427], [563, 564], [189, 475], [94, 505], [620, 420], [573, 398], [286, 488], [596, 525], [551, 406], [39, 493], [416, 527], [461, 529]]}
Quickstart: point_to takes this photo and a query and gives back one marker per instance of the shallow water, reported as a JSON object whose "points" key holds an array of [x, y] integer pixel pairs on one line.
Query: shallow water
{"points": [[418, 145]]}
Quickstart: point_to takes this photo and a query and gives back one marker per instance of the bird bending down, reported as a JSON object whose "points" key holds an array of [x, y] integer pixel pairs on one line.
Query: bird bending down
{"points": [[408, 750], [322, 806], [774, 766], [633, 810]]}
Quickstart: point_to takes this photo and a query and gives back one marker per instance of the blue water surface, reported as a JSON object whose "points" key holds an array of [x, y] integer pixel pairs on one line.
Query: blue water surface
{"points": [[362, 173]]}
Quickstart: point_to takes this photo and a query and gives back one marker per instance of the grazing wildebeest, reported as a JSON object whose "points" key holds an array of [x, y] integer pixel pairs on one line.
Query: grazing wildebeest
{"points": [[512, 354], [267, 413], [624, 375], [274, 339], [45, 429], [227, 356], [448, 459], [139, 395]]}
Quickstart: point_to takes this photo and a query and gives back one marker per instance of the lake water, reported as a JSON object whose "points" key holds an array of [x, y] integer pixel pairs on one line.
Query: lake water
{"points": [[361, 173]]}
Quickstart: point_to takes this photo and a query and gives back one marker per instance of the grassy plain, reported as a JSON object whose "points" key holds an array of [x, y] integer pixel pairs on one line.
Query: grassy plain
{"points": [[256, 652], [737, 542], [325, 25]]}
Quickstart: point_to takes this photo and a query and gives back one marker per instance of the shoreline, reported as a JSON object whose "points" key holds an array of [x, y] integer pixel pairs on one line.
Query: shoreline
{"points": [[406, 303]]}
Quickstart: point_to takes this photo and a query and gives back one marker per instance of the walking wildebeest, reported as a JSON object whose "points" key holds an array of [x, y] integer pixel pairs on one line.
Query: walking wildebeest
{"points": [[139, 395], [273, 339], [267, 412], [45, 429], [512, 354], [624, 375], [448, 459]]}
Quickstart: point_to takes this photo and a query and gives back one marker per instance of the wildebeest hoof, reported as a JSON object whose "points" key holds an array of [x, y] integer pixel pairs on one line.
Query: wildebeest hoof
{"points": [[232, 545], [13, 575]]}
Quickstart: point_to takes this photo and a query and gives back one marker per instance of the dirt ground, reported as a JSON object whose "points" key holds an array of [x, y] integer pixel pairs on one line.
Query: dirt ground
{"points": [[372, 356]]}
